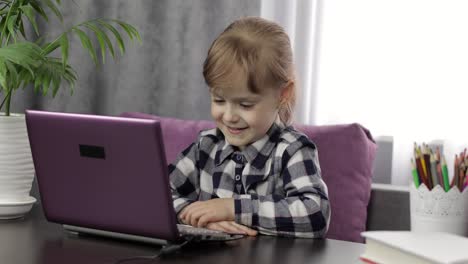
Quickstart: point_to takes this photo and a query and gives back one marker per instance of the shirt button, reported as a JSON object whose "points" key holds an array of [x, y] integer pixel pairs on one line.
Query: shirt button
{"points": [[238, 157], [238, 177]]}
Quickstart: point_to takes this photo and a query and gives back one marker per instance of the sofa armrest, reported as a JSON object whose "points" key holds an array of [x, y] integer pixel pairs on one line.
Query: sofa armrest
{"points": [[389, 208]]}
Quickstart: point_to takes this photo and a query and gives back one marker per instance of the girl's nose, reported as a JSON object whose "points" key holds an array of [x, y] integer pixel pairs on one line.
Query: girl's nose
{"points": [[230, 115]]}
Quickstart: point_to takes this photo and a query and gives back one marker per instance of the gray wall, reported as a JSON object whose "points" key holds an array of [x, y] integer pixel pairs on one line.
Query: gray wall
{"points": [[162, 76]]}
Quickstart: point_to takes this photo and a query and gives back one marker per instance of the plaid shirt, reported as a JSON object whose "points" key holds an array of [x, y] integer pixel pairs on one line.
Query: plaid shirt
{"points": [[275, 182]]}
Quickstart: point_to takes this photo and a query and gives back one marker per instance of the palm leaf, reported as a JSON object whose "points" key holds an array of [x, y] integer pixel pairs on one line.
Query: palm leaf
{"points": [[54, 68], [114, 31], [11, 26], [21, 28], [64, 47], [38, 7], [25, 77], [45, 78], [12, 17], [13, 75], [39, 10], [23, 54], [47, 48], [86, 43], [102, 39], [28, 11], [3, 75], [24, 62], [131, 30], [54, 9], [6, 23], [37, 79], [49, 74], [100, 28]]}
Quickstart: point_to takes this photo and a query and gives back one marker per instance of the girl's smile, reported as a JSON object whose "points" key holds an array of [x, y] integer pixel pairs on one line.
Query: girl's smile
{"points": [[236, 131]]}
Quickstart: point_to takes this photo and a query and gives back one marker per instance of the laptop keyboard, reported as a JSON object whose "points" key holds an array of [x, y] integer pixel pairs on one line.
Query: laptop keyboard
{"points": [[196, 231]]}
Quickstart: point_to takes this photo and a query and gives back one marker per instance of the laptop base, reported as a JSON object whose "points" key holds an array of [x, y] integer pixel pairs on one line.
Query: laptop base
{"points": [[77, 229]]}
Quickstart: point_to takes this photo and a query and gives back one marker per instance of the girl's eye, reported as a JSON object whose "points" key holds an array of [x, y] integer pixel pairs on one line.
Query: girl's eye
{"points": [[246, 105], [218, 101]]}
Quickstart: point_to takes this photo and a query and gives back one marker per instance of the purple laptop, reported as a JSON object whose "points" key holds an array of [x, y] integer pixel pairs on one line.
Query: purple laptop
{"points": [[106, 175]]}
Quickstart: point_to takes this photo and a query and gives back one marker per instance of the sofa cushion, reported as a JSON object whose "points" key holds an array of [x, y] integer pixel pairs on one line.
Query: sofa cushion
{"points": [[346, 154], [177, 134]]}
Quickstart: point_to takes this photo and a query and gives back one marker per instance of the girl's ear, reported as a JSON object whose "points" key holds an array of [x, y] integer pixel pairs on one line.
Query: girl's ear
{"points": [[286, 92]]}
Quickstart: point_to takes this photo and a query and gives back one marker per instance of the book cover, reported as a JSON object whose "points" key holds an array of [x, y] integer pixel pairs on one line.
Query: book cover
{"points": [[414, 247]]}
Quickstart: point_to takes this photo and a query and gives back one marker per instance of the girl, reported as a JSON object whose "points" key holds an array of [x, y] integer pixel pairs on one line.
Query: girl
{"points": [[253, 173]]}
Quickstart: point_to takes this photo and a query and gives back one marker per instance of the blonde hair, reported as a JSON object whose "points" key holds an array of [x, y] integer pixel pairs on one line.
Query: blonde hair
{"points": [[261, 49]]}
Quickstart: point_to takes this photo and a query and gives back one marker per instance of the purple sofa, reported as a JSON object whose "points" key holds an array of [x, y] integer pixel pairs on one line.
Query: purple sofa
{"points": [[346, 154]]}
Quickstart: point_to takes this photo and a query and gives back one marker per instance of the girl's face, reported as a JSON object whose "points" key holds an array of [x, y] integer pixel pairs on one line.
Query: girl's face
{"points": [[243, 117]]}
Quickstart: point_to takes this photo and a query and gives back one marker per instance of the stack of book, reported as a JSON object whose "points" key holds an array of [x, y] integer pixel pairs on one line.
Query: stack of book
{"points": [[414, 247]]}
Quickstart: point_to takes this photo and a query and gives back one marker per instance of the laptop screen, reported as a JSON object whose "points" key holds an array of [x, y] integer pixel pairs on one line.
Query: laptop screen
{"points": [[102, 172]]}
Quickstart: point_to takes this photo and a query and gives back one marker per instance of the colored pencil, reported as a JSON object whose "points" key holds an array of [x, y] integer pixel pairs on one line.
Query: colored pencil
{"points": [[415, 174], [435, 180], [421, 171], [427, 162], [455, 172], [461, 180], [440, 176], [461, 177], [445, 174], [423, 163], [466, 181], [438, 154]]}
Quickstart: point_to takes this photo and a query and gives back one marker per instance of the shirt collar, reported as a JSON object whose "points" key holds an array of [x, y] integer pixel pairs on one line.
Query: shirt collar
{"points": [[256, 153], [224, 149]]}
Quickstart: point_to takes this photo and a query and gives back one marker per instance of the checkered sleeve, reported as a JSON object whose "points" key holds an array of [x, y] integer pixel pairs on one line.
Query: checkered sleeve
{"points": [[184, 179], [304, 210]]}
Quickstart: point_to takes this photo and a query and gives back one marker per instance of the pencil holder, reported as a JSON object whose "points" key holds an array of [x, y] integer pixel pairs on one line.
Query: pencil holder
{"points": [[437, 210]]}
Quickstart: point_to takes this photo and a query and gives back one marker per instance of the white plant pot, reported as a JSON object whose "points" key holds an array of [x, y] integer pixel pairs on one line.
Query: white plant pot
{"points": [[16, 165]]}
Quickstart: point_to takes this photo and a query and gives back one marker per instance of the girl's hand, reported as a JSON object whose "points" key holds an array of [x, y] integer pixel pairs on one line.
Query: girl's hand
{"points": [[232, 227], [200, 214]]}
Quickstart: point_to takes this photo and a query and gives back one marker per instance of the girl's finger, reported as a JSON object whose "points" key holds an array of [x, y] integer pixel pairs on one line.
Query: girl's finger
{"points": [[189, 214], [206, 218], [187, 209], [247, 230], [218, 226], [215, 226], [231, 228], [194, 220], [203, 221], [195, 216]]}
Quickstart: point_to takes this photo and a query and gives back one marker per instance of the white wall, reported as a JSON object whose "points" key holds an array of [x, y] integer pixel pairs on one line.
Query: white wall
{"points": [[400, 68]]}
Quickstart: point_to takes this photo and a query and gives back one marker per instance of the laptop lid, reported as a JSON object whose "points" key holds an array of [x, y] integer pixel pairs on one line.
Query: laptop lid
{"points": [[101, 172]]}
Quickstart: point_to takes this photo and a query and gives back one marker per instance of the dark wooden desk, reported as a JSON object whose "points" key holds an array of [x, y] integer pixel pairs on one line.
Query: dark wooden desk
{"points": [[32, 240]]}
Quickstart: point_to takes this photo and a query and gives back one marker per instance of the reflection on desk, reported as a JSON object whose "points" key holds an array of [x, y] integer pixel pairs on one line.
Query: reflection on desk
{"points": [[34, 240]]}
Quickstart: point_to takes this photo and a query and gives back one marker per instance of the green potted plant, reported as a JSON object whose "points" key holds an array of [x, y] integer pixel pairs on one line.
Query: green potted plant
{"points": [[34, 63]]}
